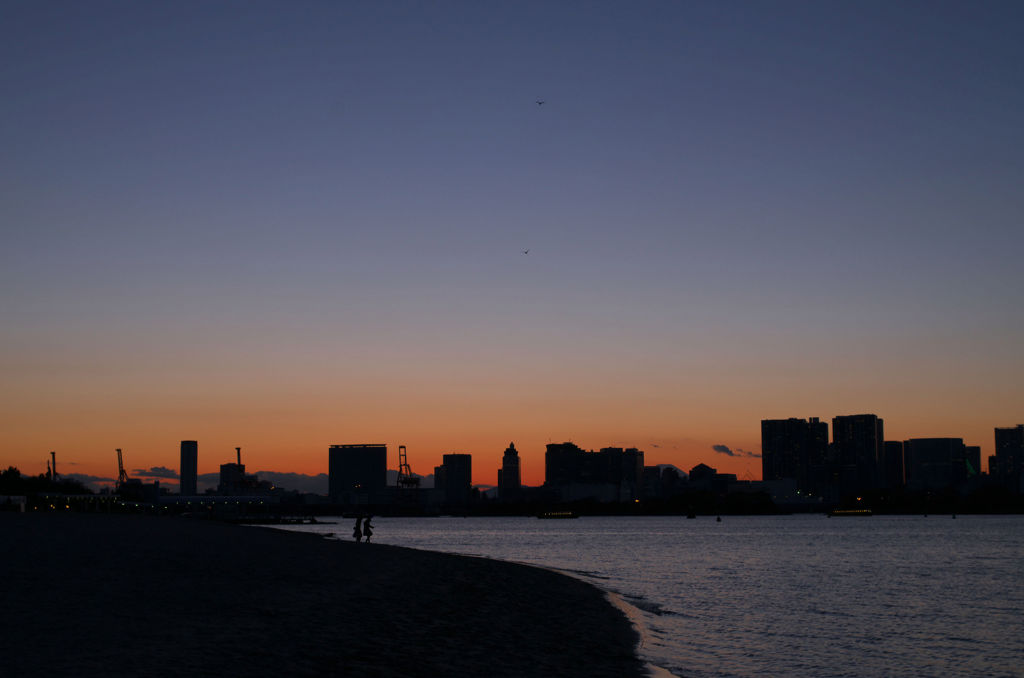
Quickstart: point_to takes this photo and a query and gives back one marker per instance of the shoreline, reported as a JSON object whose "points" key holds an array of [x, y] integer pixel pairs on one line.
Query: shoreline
{"points": [[96, 594], [635, 617], [616, 600]]}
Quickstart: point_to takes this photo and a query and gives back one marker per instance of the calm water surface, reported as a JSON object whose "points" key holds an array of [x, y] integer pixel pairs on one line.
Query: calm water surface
{"points": [[780, 595]]}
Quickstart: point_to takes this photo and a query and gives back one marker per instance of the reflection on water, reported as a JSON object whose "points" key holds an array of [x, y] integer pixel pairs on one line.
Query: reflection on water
{"points": [[782, 595]]}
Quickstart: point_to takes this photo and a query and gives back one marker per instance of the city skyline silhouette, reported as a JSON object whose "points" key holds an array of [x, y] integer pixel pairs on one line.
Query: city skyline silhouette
{"points": [[282, 229], [801, 450]]}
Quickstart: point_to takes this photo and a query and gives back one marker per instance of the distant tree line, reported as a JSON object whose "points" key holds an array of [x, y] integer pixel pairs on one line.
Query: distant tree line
{"points": [[13, 483]]}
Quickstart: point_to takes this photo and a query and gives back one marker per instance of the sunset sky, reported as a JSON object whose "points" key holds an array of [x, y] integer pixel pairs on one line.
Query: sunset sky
{"points": [[285, 225]]}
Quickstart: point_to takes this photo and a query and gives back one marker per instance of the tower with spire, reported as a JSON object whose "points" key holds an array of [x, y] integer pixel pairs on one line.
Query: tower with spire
{"points": [[509, 481]]}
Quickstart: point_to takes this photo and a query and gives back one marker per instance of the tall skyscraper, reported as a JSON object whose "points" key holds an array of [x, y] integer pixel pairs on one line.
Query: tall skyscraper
{"points": [[356, 470], [457, 475], [795, 448], [188, 471], [859, 442], [509, 481]]}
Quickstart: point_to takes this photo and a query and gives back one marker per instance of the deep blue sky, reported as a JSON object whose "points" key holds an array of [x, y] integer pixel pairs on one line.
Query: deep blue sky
{"points": [[733, 210]]}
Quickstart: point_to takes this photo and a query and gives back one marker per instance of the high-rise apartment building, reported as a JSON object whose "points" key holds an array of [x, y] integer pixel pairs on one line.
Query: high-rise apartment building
{"points": [[859, 446], [795, 448], [613, 474]]}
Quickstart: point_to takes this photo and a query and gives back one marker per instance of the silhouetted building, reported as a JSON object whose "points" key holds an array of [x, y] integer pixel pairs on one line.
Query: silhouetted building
{"points": [[662, 482], [1006, 466], [454, 477], [189, 468], [673, 481], [702, 474], [624, 467], [893, 474], [563, 464], [509, 481], [795, 448], [234, 481], [704, 478], [859, 443], [937, 463], [651, 484], [613, 474], [972, 460], [357, 473]]}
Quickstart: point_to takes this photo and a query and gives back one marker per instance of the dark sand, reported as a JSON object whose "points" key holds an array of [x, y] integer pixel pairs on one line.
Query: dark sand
{"points": [[86, 595]]}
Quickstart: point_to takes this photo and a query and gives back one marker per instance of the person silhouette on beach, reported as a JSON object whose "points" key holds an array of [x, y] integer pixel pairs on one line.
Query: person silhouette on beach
{"points": [[358, 533], [367, 529]]}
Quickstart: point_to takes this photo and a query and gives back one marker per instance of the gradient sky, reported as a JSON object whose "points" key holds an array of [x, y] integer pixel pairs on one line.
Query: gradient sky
{"points": [[283, 225]]}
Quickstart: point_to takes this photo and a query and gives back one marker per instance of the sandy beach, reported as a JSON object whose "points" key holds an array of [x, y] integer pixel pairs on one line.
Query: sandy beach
{"points": [[159, 596]]}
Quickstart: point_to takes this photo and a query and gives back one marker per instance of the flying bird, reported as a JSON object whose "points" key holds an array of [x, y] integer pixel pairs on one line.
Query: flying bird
{"points": [[540, 102], [526, 251]]}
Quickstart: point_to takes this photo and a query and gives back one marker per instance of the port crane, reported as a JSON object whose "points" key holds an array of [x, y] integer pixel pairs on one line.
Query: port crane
{"points": [[406, 480], [122, 475]]}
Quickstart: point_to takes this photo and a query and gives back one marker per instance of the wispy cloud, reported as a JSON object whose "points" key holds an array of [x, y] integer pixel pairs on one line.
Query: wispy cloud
{"points": [[156, 472], [85, 478], [728, 451]]}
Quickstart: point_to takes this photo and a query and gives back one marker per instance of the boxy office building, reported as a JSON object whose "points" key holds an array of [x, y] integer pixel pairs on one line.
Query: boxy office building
{"points": [[356, 473]]}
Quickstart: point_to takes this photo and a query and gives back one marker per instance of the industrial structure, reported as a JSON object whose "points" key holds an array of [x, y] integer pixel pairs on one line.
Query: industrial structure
{"points": [[134, 488], [235, 482], [122, 475], [406, 479]]}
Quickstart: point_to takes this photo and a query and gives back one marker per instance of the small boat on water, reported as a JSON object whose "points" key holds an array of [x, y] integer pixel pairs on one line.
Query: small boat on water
{"points": [[557, 515], [849, 513]]}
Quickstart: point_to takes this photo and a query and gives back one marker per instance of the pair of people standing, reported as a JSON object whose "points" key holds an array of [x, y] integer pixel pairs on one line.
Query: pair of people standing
{"points": [[363, 528]]}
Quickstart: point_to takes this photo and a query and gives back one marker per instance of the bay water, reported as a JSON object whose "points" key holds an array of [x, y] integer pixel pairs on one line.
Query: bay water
{"points": [[802, 595]]}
